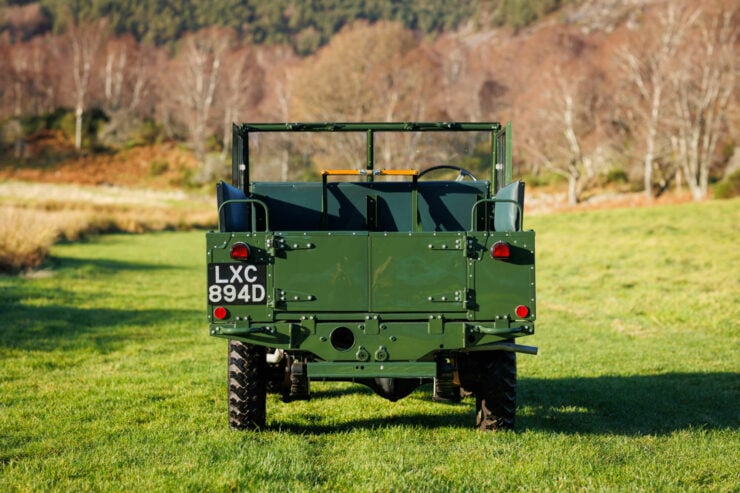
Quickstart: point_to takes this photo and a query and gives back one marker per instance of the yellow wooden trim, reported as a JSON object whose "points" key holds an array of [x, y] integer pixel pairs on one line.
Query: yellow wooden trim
{"points": [[377, 172], [398, 172]]}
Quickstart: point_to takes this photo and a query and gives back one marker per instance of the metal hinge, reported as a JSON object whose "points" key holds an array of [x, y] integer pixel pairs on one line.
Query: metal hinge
{"points": [[284, 296]]}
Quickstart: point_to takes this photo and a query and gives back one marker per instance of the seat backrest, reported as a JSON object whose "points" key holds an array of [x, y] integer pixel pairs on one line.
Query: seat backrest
{"points": [[506, 216], [374, 206], [234, 216], [447, 205], [293, 206]]}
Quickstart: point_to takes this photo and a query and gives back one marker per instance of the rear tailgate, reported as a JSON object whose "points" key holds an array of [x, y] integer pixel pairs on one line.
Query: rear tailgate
{"points": [[370, 272]]}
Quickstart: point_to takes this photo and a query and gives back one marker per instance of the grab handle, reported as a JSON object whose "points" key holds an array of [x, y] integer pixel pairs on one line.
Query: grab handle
{"points": [[252, 215], [491, 201]]}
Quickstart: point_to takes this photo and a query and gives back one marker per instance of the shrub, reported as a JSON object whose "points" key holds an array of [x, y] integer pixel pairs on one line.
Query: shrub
{"points": [[544, 179], [25, 238], [45, 121], [158, 167], [27, 233], [729, 187], [148, 132], [92, 121], [617, 175]]}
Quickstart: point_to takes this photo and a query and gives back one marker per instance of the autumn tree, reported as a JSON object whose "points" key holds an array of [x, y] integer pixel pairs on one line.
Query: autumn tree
{"points": [[21, 76], [280, 157], [46, 63], [648, 63], [703, 85], [146, 64], [129, 90], [334, 85], [125, 78], [4, 75], [570, 138], [30, 73], [191, 84], [241, 89], [128, 73], [367, 72], [85, 39]]}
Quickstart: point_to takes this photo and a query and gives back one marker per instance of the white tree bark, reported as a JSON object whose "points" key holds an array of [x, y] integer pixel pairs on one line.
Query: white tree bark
{"points": [[195, 77], [703, 88], [649, 69], [85, 40]]}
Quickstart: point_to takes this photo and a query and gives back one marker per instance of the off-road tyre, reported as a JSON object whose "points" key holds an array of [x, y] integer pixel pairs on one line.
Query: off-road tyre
{"points": [[495, 396], [247, 371]]}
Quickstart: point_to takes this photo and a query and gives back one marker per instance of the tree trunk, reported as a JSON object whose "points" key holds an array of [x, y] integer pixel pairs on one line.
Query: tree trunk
{"points": [[78, 127], [284, 165], [652, 132], [573, 198]]}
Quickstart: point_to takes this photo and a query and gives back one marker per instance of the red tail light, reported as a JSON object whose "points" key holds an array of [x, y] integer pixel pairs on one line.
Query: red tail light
{"points": [[501, 250], [220, 312], [522, 311], [240, 251]]}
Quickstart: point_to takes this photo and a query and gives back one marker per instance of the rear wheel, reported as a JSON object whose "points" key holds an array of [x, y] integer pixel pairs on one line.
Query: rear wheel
{"points": [[495, 397], [247, 386]]}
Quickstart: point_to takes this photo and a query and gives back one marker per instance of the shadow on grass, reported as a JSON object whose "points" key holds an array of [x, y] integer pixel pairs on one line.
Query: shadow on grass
{"points": [[631, 405], [42, 318], [612, 405], [49, 328], [100, 266], [416, 420], [337, 392], [57, 322]]}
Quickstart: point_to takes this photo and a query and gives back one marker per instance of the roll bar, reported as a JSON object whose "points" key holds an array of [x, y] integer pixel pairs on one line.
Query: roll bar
{"points": [[500, 143]]}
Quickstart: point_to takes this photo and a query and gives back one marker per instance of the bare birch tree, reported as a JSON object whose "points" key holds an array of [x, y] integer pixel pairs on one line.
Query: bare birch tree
{"points": [[648, 65], [703, 86], [85, 39], [193, 83], [241, 89], [570, 139], [21, 76], [115, 68], [128, 75]]}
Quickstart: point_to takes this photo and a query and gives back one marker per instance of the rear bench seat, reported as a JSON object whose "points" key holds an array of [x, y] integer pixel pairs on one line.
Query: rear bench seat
{"points": [[378, 206]]}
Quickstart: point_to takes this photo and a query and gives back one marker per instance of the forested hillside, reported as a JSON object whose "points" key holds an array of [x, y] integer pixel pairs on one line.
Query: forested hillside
{"points": [[632, 94], [304, 25]]}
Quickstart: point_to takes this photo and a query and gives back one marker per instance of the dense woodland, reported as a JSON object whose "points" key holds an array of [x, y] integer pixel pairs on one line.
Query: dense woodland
{"points": [[305, 25], [641, 94]]}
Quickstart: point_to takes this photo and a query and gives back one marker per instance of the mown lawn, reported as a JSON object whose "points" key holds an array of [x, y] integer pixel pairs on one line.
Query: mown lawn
{"points": [[110, 382]]}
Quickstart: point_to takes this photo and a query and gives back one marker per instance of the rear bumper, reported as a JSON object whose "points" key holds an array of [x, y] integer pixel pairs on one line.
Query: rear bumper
{"points": [[372, 339]]}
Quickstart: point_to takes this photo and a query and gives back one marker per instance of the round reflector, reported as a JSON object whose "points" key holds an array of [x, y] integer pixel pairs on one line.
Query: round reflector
{"points": [[220, 312], [500, 250], [240, 251], [521, 311]]}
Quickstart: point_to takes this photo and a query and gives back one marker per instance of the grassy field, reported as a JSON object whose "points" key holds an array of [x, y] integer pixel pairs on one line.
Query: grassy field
{"points": [[110, 382]]}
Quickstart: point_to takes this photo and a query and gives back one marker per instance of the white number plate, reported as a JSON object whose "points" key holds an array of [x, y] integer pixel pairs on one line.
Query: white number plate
{"points": [[237, 284]]}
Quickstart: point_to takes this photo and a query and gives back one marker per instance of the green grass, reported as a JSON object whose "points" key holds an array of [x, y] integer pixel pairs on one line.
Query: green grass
{"points": [[109, 381]]}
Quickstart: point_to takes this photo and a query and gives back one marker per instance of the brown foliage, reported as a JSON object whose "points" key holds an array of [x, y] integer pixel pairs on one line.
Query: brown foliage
{"points": [[382, 71], [349, 78]]}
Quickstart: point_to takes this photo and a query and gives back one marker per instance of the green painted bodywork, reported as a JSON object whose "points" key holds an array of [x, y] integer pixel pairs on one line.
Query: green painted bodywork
{"points": [[404, 267]]}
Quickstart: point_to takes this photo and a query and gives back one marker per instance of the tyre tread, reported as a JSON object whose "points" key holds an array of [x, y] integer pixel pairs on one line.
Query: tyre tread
{"points": [[247, 371]]}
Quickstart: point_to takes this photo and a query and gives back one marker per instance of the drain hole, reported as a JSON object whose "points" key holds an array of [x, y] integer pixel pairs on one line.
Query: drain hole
{"points": [[342, 339]]}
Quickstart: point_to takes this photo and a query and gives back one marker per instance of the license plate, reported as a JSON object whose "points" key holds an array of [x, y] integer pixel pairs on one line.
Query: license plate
{"points": [[237, 284]]}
